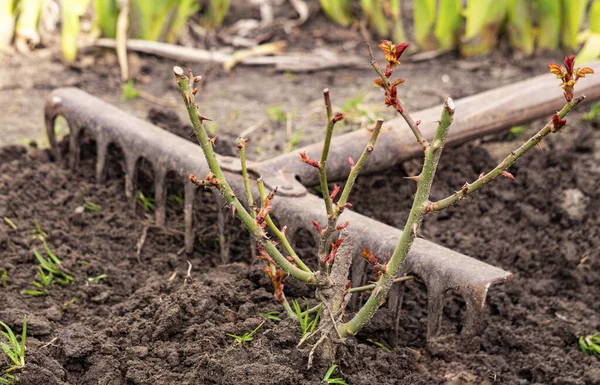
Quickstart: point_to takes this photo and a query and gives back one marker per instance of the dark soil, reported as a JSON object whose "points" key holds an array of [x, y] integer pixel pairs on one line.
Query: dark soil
{"points": [[149, 323], [140, 325]]}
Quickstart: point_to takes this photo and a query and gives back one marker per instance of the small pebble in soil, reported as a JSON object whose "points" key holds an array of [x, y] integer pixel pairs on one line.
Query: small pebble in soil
{"points": [[574, 203]]}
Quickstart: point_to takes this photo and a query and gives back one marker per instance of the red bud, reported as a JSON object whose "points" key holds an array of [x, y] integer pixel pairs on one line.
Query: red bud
{"points": [[508, 175], [351, 161], [317, 226], [334, 192], [342, 226], [304, 158], [337, 117]]}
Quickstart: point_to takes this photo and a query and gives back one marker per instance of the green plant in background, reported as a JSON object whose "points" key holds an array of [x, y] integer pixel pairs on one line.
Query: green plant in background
{"points": [[591, 47], [14, 351], [217, 10], [27, 24], [398, 33], [447, 24], [7, 23], [327, 377], [373, 11], [107, 13], [594, 110], [70, 27], [484, 18], [4, 278], [590, 345], [423, 20], [338, 11], [520, 25], [549, 19], [573, 17]]}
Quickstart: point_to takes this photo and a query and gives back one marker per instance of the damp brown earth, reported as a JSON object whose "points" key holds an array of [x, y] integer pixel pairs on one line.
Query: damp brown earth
{"points": [[150, 321]]}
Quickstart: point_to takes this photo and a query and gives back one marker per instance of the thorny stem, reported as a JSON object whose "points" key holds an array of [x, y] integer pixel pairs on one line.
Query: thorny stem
{"points": [[188, 96], [356, 169], [325, 152], [425, 179], [242, 147], [411, 123], [278, 233], [374, 285], [341, 204], [468, 189]]}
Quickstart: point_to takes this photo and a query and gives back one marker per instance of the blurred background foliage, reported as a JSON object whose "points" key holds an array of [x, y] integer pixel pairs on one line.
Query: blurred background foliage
{"points": [[473, 27]]}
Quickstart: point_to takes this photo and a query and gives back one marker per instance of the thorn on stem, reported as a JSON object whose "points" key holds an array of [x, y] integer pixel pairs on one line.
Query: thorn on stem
{"points": [[351, 161], [508, 175]]}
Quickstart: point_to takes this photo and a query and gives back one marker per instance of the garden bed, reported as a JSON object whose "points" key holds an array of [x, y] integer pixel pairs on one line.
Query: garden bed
{"points": [[141, 324]]}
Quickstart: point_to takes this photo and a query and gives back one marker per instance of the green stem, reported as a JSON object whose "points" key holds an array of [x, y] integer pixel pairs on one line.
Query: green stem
{"points": [[249, 222], [341, 204], [468, 189], [415, 218], [326, 145], [242, 147], [278, 233]]}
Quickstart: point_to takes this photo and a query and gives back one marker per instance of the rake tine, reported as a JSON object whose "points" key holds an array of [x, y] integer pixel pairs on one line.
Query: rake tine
{"points": [[131, 171], [189, 193], [160, 195], [102, 151], [435, 308]]}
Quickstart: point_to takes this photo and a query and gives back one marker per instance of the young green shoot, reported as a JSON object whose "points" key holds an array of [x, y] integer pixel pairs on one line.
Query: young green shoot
{"points": [[590, 345], [178, 198], [247, 337], [294, 140], [306, 324], [37, 232], [4, 278], [328, 380], [49, 273], [146, 202], [10, 223], [593, 114], [515, 133], [128, 91], [380, 345], [12, 348], [69, 302], [91, 206], [97, 278], [273, 316]]}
